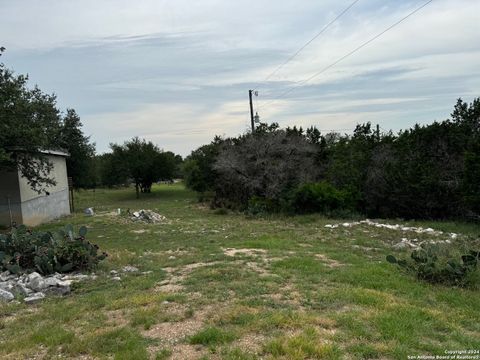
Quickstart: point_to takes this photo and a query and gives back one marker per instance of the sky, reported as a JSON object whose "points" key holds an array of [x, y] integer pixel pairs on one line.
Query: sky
{"points": [[177, 73]]}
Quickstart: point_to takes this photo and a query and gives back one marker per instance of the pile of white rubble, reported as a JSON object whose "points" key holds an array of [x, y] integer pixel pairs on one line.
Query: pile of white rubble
{"points": [[34, 287], [148, 216]]}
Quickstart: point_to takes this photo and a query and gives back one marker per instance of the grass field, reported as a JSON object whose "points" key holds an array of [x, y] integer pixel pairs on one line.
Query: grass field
{"points": [[224, 286]]}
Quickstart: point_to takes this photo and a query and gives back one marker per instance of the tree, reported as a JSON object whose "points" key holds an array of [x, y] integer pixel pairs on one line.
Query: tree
{"points": [[143, 162], [80, 162], [266, 164], [198, 171], [110, 170], [428, 171], [29, 123]]}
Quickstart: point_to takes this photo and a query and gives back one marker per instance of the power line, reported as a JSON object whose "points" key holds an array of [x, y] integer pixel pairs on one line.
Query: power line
{"points": [[345, 56], [309, 42]]}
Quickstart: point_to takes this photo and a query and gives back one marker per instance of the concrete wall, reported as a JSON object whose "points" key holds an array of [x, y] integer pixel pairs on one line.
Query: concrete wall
{"points": [[58, 172], [29, 207], [45, 208], [9, 190], [39, 208]]}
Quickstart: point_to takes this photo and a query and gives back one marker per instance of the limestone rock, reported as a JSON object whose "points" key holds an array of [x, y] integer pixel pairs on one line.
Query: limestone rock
{"points": [[34, 298], [58, 290], [400, 246], [36, 282], [129, 268], [5, 285], [51, 281], [6, 295], [21, 289], [4, 276]]}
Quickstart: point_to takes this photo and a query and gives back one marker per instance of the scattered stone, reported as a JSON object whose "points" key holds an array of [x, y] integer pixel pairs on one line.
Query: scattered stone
{"points": [[51, 281], [129, 268], [116, 278], [34, 286], [398, 227], [22, 289], [113, 272], [76, 277], [171, 257], [244, 252], [141, 231], [4, 276], [58, 290], [34, 298], [6, 286], [147, 272], [6, 295], [65, 282], [400, 246], [89, 212], [33, 276], [36, 282]]}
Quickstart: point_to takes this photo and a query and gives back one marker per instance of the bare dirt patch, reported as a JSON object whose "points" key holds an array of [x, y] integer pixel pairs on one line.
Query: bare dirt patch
{"points": [[249, 252], [331, 263], [186, 351], [170, 288], [366, 248], [141, 231], [116, 318], [188, 268], [288, 295], [176, 276], [251, 343], [304, 245], [176, 310], [175, 332], [172, 332], [257, 268]]}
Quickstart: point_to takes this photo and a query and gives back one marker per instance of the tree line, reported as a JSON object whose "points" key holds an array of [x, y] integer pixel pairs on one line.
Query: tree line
{"points": [[429, 171]]}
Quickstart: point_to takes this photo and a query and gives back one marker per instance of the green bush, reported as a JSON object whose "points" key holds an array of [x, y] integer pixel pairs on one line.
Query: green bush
{"points": [[435, 264], [321, 197], [48, 252], [260, 206]]}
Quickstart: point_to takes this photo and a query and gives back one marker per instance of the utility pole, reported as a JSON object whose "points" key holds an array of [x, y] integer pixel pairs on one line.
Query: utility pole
{"points": [[250, 93]]}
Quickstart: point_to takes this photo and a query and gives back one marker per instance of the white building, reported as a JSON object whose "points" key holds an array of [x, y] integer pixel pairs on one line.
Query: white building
{"points": [[22, 205]]}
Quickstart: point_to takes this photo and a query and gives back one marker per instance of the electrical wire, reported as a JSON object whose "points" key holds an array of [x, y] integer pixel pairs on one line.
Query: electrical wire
{"points": [[344, 56], [325, 28]]}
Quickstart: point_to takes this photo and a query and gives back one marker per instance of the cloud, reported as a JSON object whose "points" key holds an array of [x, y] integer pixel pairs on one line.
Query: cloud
{"points": [[192, 127], [178, 72]]}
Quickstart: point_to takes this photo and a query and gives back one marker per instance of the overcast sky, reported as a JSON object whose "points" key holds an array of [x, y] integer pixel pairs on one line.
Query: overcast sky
{"points": [[178, 72]]}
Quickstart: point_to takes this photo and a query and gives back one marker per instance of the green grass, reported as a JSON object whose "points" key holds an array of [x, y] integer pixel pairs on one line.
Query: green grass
{"points": [[211, 336], [297, 291]]}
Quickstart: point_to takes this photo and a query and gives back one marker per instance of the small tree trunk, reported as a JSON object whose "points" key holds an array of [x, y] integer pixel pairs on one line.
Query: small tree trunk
{"points": [[137, 190]]}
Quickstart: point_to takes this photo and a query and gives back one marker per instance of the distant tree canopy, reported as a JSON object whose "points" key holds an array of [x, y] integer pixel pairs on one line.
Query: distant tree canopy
{"points": [[80, 163], [31, 122], [141, 162], [198, 171], [429, 171]]}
